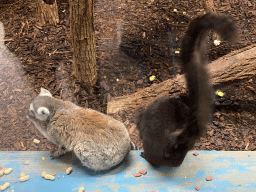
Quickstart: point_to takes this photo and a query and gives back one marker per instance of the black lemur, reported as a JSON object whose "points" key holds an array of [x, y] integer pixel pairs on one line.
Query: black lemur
{"points": [[168, 127]]}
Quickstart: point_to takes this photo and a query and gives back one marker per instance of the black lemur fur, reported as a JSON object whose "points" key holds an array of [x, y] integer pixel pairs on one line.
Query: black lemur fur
{"points": [[168, 127]]}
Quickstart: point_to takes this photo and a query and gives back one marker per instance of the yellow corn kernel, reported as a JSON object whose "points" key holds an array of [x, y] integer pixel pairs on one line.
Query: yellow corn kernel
{"points": [[49, 177], [68, 170], [24, 178], [152, 78], [7, 171], [36, 141]]}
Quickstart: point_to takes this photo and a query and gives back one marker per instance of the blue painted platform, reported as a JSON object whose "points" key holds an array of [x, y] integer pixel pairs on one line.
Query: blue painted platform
{"points": [[231, 171]]}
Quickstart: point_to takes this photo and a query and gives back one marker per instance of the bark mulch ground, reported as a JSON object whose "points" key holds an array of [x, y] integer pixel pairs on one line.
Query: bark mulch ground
{"points": [[135, 39]]}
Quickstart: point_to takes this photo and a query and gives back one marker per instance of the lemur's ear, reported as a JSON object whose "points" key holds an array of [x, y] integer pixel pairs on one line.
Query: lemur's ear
{"points": [[45, 92]]}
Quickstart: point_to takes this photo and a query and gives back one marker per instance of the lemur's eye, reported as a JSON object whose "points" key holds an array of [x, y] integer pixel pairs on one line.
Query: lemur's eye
{"points": [[43, 111]]}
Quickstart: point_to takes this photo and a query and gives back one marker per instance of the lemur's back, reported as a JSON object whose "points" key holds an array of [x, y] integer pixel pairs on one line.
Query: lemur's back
{"points": [[99, 141]]}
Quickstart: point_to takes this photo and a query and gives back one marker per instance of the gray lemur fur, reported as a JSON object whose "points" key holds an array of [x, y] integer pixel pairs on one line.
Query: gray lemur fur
{"points": [[99, 141], [168, 127]]}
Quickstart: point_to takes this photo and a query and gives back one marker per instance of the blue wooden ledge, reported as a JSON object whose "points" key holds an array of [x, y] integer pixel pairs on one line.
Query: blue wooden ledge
{"points": [[231, 171]]}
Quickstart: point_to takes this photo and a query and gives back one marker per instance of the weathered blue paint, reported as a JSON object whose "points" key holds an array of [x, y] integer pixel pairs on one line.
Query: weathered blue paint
{"points": [[229, 169]]}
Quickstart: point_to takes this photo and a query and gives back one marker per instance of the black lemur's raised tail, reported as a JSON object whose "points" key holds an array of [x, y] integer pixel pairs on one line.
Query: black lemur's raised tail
{"points": [[194, 60], [168, 127]]}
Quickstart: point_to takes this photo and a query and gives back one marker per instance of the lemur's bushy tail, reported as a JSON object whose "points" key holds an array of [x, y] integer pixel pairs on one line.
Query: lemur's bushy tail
{"points": [[193, 61]]}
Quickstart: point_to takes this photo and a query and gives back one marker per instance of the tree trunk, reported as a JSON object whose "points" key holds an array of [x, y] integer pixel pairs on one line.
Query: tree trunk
{"points": [[83, 39], [47, 14], [240, 64]]}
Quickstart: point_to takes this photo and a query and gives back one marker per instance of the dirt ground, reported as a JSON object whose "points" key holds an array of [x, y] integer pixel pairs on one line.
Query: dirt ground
{"points": [[135, 40]]}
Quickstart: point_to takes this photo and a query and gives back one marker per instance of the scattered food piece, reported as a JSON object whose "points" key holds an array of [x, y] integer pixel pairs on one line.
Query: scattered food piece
{"points": [[216, 42], [152, 78], [43, 158], [81, 189], [197, 188], [209, 178], [144, 34], [240, 185], [25, 178], [195, 153], [184, 13], [8, 171], [22, 174], [4, 186], [36, 141], [247, 145], [43, 174], [54, 173], [22, 145], [11, 191], [58, 177], [68, 170], [49, 177], [143, 172], [177, 52], [175, 10], [219, 93], [137, 174]]}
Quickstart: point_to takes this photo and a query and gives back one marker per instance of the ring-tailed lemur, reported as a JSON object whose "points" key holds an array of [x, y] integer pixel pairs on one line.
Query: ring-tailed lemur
{"points": [[99, 141]]}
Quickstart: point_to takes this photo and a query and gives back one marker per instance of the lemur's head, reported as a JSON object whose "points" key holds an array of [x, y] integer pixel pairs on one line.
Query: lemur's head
{"points": [[42, 106]]}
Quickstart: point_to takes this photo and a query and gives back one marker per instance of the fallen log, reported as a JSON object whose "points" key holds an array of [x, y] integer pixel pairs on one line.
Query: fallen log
{"points": [[237, 65]]}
